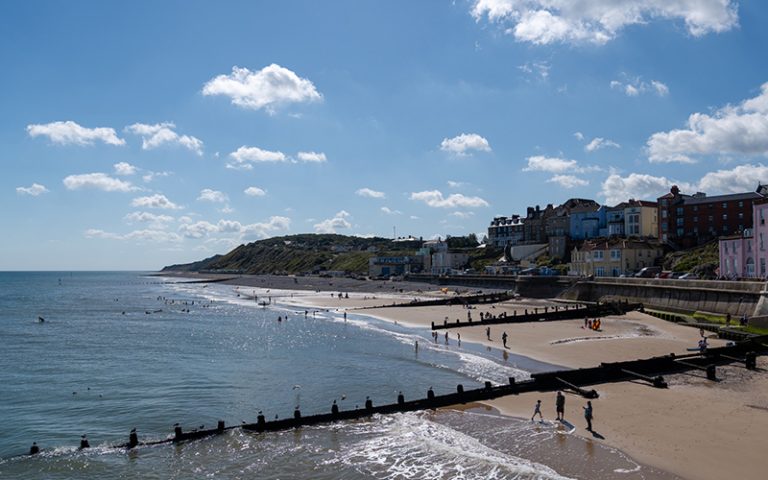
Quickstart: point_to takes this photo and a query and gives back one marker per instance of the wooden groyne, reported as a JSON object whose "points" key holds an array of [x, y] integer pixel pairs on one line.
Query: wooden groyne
{"points": [[478, 299], [546, 314], [649, 370]]}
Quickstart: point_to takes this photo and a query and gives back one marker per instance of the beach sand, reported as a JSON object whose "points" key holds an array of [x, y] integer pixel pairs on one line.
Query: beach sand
{"points": [[695, 429]]}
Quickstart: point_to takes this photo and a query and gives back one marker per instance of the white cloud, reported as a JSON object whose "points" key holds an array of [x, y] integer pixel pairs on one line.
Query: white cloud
{"points": [[124, 168], [34, 190], [70, 133], [160, 236], [254, 192], [599, 21], [434, 198], [540, 163], [313, 157], [453, 184], [208, 195], [568, 181], [155, 221], [634, 87], [198, 229], [265, 229], [539, 69], [597, 143], [149, 176], [244, 156], [461, 144], [389, 211], [367, 192], [159, 134], [267, 88], [618, 189], [732, 130], [463, 215], [579, 136], [331, 224], [98, 181], [743, 178], [155, 201]]}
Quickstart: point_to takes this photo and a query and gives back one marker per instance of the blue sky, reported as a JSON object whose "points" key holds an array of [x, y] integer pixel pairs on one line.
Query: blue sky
{"points": [[140, 134]]}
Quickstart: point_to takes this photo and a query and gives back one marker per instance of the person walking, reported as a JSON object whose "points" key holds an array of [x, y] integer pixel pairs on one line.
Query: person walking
{"points": [[588, 415], [488, 332], [537, 410], [504, 339], [560, 406]]}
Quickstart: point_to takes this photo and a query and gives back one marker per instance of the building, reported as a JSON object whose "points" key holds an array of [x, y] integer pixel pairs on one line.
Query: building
{"points": [[614, 219], [689, 220], [535, 224], [441, 261], [641, 219], [760, 233], [389, 266], [587, 221], [737, 256], [505, 231], [612, 257]]}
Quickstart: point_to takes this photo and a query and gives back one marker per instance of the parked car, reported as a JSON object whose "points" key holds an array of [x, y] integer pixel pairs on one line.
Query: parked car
{"points": [[648, 272], [688, 276]]}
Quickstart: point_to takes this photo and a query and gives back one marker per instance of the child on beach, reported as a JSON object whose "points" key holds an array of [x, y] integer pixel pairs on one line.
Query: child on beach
{"points": [[537, 410]]}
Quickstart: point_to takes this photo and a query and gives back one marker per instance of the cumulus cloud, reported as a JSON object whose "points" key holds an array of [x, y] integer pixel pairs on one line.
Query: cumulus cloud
{"points": [[618, 189], [464, 143], [568, 181], [149, 235], [599, 21], [34, 190], [389, 211], [540, 163], [267, 88], [330, 225], [313, 157], [453, 184], [71, 133], [155, 201], [743, 178], [98, 181], [208, 195], [254, 192], [635, 87], [155, 221], [244, 156], [435, 198], [367, 192], [731, 130], [159, 134], [124, 169], [598, 142]]}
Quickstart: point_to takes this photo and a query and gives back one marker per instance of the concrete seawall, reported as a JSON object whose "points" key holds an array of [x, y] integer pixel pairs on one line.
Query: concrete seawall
{"points": [[736, 298], [526, 285]]}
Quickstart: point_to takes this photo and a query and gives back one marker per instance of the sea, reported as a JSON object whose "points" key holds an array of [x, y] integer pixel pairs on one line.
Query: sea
{"points": [[124, 350]]}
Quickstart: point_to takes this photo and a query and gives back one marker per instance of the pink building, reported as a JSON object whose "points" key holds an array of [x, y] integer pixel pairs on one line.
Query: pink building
{"points": [[746, 255]]}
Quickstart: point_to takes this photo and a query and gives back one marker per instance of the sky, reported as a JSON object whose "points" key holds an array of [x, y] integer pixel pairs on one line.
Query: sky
{"points": [[135, 135]]}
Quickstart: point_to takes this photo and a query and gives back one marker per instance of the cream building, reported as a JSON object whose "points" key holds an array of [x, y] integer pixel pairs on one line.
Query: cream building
{"points": [[641, 219], [613, 257]]}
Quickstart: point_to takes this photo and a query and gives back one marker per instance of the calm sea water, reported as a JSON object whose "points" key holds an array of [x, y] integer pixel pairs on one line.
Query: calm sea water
{"points": [[125, 350]]}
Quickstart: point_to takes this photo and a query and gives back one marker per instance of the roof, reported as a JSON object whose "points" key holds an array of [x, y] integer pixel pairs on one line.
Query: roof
{"points": [[589, 208], [621, 243], [722, 198]]}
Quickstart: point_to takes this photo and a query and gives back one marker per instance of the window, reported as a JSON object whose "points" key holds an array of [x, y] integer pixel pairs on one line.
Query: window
{"points": [[695, 219], [749, 245], [599, 271], [679, 210], [725, 245], [679, 222], [741, 204], [663, 214], [725, 228], [680, 232], [725, 216], [598, 255], [762, 267], [615, 254], [695, 208], [762, 246], [741, 216], [725, 205], [710, 218]]}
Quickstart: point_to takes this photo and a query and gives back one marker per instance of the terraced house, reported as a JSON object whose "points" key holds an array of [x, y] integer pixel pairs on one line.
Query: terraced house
{"points": [[613, 257]]}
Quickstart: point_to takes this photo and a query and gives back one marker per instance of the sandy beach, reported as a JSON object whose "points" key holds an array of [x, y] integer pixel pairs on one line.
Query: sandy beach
{"points": [[696, 429]]}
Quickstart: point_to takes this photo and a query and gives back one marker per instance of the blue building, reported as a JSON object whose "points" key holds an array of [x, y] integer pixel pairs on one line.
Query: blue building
{"points": [[588, 221]]}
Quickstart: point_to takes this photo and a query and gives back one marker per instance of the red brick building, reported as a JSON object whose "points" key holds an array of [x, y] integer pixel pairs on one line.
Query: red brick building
{"points": [[689, 220]]}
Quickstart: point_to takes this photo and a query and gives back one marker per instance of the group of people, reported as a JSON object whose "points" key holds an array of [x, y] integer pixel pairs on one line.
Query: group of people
{"points": [[560, 409], [592, 324]]}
